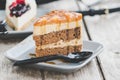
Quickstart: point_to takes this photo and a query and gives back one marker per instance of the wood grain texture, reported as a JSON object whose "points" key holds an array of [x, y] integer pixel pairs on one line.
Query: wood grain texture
{"points": [[106, 30], [8, 72], [90, 71], [60, 4]]}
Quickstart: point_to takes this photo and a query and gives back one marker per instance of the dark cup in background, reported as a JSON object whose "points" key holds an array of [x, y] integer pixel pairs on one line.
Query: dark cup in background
{"points": [[2, 4]]}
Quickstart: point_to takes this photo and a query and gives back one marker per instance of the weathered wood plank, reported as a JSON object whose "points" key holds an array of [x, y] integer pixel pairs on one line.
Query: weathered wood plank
{"points": [[60, 4], [90, 71], [8, 72], [106, 30]]}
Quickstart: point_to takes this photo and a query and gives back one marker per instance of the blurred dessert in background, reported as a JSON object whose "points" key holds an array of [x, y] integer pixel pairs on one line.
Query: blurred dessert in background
{"points": [[58, 32], [3, 2], [20, 13]]}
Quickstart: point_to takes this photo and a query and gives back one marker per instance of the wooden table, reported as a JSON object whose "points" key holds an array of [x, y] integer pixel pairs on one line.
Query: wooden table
{"points": [[104, 29]]}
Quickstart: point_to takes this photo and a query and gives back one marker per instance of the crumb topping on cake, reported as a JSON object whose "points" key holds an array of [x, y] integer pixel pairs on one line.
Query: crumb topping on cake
{"points": [[58, 16]]}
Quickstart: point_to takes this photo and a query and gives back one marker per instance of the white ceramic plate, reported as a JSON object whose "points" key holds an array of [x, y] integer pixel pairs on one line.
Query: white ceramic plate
{"points": [[27, 46]]}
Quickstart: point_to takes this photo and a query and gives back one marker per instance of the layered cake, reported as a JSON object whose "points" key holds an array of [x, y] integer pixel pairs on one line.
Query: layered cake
{"points": [[58, 32], [20, 13]]}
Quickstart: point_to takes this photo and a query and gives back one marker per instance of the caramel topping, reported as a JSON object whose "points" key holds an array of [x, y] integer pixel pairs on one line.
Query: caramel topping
{"points": [[41, 21], [58, 16]]}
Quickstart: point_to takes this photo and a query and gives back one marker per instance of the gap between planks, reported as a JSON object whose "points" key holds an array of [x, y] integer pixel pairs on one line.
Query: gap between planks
{"points": [[106, 30], [89, 37], [80, 75]]}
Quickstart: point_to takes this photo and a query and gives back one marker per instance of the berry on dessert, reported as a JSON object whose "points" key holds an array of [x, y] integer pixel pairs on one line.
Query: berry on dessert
{"points": [[20, 1], [20, 13], [18, 8]]}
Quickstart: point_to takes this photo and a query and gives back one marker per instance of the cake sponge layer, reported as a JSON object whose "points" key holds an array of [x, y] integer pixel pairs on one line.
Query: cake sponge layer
{"points": [[60, 47], [74, 42], [58, 50], [58, 32], [53, 37]]}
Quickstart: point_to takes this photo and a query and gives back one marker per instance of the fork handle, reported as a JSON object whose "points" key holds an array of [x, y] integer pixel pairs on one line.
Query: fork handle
{"points": [[37, 60]]}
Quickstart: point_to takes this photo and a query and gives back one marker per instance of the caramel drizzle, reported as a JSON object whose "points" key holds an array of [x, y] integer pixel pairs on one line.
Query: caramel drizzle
{"points": [[58, 17]]}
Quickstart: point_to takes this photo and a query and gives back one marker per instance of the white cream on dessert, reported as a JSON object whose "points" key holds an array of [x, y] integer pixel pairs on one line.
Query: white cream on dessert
{"points": [[19, 22], [45, 29], [65, 33], [61, 43]]}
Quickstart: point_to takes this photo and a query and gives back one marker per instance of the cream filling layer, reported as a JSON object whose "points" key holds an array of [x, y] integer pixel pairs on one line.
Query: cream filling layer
{"points": [[61, 43], [41, 30], [26, 17]]}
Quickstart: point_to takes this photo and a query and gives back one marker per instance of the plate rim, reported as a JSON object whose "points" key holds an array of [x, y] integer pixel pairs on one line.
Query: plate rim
{"points": [[100, 49]]}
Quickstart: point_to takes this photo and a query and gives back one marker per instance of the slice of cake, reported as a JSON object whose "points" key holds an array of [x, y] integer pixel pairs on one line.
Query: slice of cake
{"points": [[20, 13], [58, 32]]}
